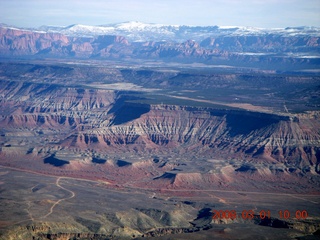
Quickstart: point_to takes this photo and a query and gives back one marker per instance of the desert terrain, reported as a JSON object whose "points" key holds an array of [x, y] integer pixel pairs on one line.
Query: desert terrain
{"points": [[108, 150]]}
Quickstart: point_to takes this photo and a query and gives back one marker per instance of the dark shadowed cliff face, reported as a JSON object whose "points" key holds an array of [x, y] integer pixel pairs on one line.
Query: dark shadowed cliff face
{"points": [[175, 129], [229, 131], [92, 107], [107, 121]]}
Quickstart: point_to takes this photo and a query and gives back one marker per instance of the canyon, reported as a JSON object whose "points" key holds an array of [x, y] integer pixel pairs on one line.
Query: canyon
{"points": [[141, 131], [186, 140]]}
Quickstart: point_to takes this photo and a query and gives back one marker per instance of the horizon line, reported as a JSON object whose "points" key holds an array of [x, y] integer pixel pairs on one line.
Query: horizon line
{"points": [[3, 24]]}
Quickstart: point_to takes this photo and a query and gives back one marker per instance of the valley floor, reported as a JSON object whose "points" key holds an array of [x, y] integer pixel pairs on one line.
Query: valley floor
{"points": [[35, 205]]}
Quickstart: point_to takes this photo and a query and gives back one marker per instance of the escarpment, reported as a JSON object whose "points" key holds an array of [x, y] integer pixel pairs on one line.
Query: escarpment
{"points": [[28, 105], [108, 133], [120, 139], [104, 120], [172, 128]]}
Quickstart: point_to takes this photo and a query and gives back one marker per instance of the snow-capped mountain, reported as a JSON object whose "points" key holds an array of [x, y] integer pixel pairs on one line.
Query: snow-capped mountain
{"points": [[287, 48], [138, 31]]}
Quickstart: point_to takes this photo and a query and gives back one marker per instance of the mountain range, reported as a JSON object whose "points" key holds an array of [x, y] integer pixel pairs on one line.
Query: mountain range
{"points": [[138, 31], [287, 47]]}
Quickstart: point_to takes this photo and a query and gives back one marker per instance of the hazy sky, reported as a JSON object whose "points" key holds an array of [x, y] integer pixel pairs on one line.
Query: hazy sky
{"points": [[256, 13]]}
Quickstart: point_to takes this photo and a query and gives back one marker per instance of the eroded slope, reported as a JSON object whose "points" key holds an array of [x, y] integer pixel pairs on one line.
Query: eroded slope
{"points": [[76, 125], [112, 155]]}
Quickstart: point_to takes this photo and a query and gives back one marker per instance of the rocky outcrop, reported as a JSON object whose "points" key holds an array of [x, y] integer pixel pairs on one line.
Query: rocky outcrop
{"points": [[101, 119], [64, 118], [20, 42], [271, 43], [252, 134]]}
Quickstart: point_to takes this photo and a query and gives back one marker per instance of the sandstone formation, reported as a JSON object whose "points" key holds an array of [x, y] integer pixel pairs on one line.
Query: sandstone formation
{"points": [[76, 124], [99, 150]]}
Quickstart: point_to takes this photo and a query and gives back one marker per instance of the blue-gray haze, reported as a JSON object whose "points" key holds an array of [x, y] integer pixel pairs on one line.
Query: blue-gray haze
{"points": [[256, 13]]}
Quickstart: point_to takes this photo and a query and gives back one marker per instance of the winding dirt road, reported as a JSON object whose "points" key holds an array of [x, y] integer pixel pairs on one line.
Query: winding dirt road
{"points": [[60, 200]]}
